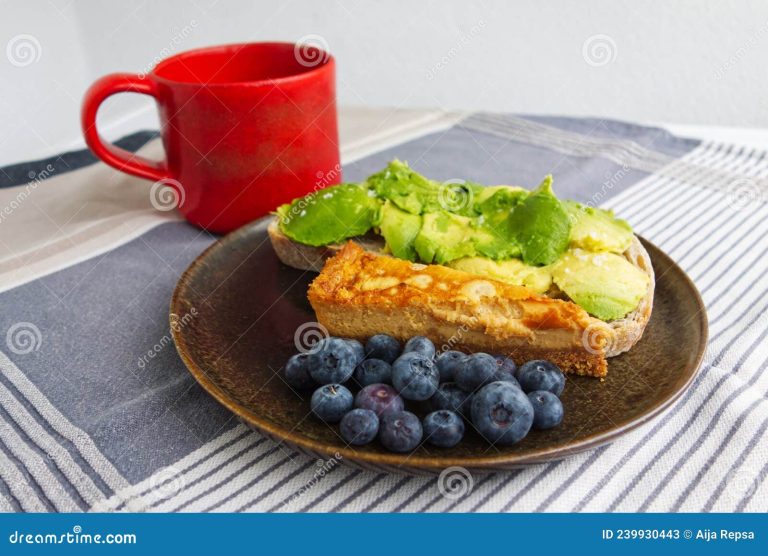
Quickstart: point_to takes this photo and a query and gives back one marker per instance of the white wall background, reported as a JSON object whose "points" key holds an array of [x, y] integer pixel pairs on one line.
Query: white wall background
{"points": [[688, 61]]}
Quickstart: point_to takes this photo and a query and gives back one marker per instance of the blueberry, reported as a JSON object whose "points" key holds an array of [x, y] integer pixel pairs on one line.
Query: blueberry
{"points": [[505, 370], [547, 409], [359, 426], [501, 413], [379, 398], [373, 371], [400, 431], [449, 396], [297, 371], [478, 369], [541, 375], [333, 361], [448, 363], [415, 376], [330, 402], [357, 349], [421, 345], [443, 428], [382, 346]]}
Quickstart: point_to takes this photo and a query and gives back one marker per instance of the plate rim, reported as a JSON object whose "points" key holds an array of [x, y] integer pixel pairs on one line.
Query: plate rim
{"points": [[406, 461]]}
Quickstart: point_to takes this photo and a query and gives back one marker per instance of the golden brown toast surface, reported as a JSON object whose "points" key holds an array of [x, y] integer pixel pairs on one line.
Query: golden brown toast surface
{"points": [[359, 294]]}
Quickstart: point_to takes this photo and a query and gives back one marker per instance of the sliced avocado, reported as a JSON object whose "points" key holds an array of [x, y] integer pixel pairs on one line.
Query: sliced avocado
{"points": [[329, 215], [492, 237], [605, 285], [399, 229], [443, 237], [596, 229], [416, 194], [494, 199], [540, 226], [511, 271]]}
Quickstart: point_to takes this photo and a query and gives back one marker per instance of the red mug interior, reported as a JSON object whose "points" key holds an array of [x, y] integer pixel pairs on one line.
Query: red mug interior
{"points": [[242, 63]]}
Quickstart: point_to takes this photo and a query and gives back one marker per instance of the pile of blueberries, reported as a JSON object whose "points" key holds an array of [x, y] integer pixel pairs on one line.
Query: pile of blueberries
{"points": [[501, 400]]}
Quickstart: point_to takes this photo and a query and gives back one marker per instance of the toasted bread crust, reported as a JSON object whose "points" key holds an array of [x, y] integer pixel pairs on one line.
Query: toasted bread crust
{"points": [[622, 333], [359, 294]]}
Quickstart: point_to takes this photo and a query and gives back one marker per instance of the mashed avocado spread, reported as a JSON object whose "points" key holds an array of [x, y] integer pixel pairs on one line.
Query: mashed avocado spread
{"points": [[528, 238]]}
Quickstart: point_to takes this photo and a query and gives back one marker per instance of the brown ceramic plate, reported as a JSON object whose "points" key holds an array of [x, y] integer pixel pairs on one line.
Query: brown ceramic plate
{"points": [[248, 306]]}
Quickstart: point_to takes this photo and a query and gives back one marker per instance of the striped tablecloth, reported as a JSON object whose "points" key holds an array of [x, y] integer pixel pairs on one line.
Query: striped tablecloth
{"points": [[99, 414]]}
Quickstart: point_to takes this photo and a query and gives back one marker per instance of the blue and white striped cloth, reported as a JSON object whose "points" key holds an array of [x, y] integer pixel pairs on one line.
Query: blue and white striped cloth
{"points": [[89, 421]]}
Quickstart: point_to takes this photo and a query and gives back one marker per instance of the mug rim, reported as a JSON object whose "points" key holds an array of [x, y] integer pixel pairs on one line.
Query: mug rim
{"points": [[329, 62]]}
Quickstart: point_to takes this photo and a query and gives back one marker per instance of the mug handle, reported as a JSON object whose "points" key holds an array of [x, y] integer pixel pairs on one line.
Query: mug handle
{"points": [[121, 159]]}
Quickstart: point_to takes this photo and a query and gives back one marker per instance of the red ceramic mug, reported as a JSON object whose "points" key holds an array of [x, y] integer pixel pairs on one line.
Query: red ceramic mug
{"points": [[245, 128]]}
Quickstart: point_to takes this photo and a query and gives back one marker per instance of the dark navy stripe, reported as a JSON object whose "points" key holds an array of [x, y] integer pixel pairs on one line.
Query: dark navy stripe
{"points": [[219, 466], [295, 493], [276, 486], [62, 441], [31, 481], [224, 480], [355, 494], [695, 444], [24, 172], [64, 482], [341, 483], [268, 471], [739, 462]]}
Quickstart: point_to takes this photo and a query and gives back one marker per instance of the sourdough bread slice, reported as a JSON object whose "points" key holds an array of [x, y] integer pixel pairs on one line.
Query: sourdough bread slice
{"points": [[618, 336]]}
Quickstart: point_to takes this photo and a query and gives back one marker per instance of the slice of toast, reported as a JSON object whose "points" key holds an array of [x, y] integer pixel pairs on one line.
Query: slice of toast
{"points": [[358, 294], [620, 335]]}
